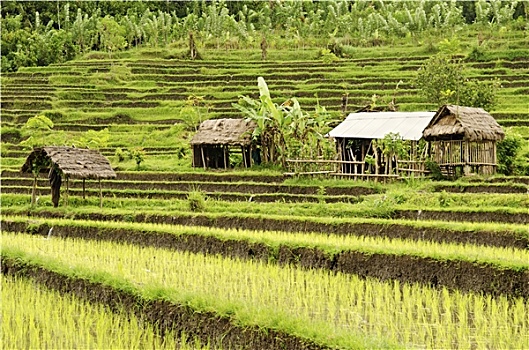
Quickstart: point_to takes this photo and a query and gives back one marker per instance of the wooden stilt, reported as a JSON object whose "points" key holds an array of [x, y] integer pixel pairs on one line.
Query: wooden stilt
{"points": [[225, 151], [84, 195], [67, 189], [203, 157], [244, 157], [100, 195]]}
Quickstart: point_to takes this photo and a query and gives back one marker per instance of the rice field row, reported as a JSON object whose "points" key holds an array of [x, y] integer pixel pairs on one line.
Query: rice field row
{"points": [[339, 306], [34, 316], [295, 218], [495, 270]]}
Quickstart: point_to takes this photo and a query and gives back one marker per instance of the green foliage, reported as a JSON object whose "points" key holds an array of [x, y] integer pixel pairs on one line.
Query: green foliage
{"points": [[138, 155], [437, 78], [444, 199], [476, 93], [120, 154], [441, 80], [435, 170], [35, 129], [327, 56], [44, 32], [93, 139], [196, 200], [111, 34], [508, 150], [286, 131]]}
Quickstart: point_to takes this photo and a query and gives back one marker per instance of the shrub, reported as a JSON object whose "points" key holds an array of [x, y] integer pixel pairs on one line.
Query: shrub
{"points": [[434, 169], [196, 200], [120, 154], [138, 154], [508, 150]]}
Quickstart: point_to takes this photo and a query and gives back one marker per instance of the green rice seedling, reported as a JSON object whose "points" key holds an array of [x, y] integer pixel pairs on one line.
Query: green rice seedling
{"points": [[328, 305], [503, 257], [38, 318]]}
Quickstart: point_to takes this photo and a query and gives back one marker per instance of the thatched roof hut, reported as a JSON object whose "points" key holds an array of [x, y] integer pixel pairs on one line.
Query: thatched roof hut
{"points": [[236, 132], [463, 140], [69, 162], [216, 138], [73, 162], [453, 122]]}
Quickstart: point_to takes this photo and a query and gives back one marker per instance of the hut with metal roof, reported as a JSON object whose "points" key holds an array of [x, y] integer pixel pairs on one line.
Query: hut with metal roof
{"points": [[463, 140], [358, 141], [67, 162], [216, 139]]}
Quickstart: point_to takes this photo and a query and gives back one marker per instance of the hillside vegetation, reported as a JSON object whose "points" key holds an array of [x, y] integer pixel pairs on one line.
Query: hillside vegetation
{"points": [[251, 258]]}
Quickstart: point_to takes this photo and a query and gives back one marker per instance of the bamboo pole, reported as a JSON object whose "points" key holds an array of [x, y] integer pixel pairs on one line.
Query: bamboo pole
{"points": [[225, 151], [84, 195], [67, 188], [203, 157], [244, 157]]}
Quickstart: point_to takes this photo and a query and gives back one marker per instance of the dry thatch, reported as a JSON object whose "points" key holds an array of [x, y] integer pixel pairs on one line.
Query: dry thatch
{"points": [[463, 123], [236, 132], [73, 162]]}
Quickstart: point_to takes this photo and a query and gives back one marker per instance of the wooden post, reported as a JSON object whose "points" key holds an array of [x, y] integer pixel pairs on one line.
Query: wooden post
{"points": [[84, 196], [244, 157], [203, 157], [225, 151], [100, 195], [67, 189]]}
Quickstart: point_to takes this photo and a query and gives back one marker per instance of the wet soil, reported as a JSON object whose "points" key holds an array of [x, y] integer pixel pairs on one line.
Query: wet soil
{"points": [[453, 274], [209, 327]]}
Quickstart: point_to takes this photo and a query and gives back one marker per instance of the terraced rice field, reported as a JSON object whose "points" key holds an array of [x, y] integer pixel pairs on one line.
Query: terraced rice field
{"points": [[141, 98], [383, 268], [254, 259]]}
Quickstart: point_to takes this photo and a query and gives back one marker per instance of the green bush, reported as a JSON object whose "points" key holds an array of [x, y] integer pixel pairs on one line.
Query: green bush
{"points": [[508, 150], [120, 154], [196, 200]]}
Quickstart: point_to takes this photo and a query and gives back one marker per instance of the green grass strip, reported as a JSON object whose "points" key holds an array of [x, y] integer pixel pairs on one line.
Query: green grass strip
{"points": [[505, 258]]}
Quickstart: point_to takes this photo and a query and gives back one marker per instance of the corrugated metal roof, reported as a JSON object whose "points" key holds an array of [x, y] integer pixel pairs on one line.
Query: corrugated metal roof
{"points": [[375, 125]]}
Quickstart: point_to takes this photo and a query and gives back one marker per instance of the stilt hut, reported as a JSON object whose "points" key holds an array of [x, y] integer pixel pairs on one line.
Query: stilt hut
{"points": [[463, 140], [358, 135], [67, 162], [216, 139]]}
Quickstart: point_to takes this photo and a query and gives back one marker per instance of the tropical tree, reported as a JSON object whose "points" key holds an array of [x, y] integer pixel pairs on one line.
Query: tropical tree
{"points": [[285, 131], [112, 35]]}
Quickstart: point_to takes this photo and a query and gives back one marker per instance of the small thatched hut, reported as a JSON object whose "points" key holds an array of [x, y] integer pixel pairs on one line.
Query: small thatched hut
{"points": [[68, 162], [217, 138], [463, 138]]}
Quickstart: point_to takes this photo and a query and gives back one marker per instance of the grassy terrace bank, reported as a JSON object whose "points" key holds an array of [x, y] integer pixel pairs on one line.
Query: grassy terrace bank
{"points": [[396, 204], [286, 187], [493, 270], [334, 307], [489, 234]]}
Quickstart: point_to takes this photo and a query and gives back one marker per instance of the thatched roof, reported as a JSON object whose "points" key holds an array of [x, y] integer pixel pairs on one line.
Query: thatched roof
{"points": [[224, 132], [453, 122], [73, 162]]}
